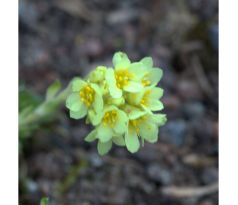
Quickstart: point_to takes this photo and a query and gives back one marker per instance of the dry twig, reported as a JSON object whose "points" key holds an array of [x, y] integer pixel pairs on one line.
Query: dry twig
{"points": [[184, 192], [76, 8]]}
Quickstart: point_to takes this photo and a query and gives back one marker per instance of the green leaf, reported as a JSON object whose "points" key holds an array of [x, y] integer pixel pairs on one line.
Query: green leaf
{"points": [[53, 89], [26, 111], [44, 201], [28, 99]]}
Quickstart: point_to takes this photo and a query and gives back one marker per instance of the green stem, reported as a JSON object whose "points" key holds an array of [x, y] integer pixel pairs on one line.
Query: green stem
{"points": [[45, 111]]}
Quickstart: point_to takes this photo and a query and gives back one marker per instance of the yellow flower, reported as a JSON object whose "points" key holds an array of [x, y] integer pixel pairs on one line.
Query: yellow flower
{"points": [[152, 75], [125, 77], [148, 99], [144, 126], [120, 102], [85, 98]]}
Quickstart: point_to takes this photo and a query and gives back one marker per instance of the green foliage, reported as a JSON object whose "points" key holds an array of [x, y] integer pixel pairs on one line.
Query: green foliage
{"points": [[71, 177], [44, 201], [27, 99], [53, 90], [33, 111], [120, 102]]}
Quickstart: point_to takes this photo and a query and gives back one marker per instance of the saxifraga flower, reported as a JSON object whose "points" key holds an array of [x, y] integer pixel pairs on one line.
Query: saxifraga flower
{"points": [[122, 103]]}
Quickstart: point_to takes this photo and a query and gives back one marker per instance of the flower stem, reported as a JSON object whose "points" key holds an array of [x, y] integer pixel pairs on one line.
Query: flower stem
{"points": [[46, 111]]}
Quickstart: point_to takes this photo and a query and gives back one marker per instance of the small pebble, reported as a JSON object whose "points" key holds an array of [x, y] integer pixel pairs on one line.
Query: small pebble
{"points": [[159, 174]]}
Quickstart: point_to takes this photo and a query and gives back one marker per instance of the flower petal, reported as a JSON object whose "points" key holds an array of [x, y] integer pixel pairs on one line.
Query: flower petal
{"points": [[97, 75], [134, 98], [78, 114], [98, 103], [133, 87], [159, 119], [91, 136], [104, 148], [135, 113], [122, 122], [147, 61], [73, 102], [155, 75], [138, 70], [149, 132], [120, 60], [98, 100], [147, 109], [111, 81], [156, 93], [119, 140], [132, 141], [104, 133], [77, 84], [156, 105], [94, 117]]}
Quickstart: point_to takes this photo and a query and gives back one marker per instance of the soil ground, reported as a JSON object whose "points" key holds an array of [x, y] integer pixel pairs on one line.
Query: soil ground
{"points": [[62, 39]]}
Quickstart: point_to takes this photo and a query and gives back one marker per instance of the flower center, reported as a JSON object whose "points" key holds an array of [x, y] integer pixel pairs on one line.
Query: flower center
{"points": [[145, 99], [87, 95], [110, 118], [122, 78], [134, 124], [145, 81]]}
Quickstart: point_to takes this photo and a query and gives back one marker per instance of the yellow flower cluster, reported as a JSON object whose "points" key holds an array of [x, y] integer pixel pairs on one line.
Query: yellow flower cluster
{"points": [[120, 102]]}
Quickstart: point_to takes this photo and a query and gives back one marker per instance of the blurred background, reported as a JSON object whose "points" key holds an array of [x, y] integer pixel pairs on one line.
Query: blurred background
{"points": [[61, 39]]}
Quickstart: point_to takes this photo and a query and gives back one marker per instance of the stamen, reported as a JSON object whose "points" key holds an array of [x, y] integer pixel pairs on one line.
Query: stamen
{"points": [[145, 99], [122, 78], [146, 80], [110, 118], [136, 123], [87, 95]]}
